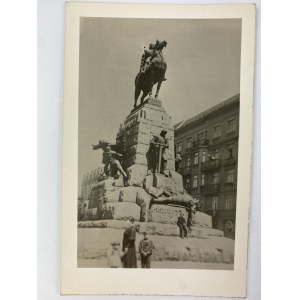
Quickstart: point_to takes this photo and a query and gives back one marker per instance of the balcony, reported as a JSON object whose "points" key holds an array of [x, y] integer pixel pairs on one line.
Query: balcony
{"points": [[213, 188], [199, 143], [229, 161], [211, 165]]}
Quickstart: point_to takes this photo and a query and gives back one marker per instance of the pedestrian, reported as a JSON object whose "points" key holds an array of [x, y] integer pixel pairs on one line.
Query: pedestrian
{"points": [[128, 245], [145, 248], [114, 256], [182, 226]]}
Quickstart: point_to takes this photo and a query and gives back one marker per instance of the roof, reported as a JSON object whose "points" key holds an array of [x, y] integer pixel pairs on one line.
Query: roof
{"points": [[206, 113]]}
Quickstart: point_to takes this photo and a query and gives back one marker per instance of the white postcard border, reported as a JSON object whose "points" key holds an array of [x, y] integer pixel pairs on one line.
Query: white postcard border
{"points": [[154, 281]]}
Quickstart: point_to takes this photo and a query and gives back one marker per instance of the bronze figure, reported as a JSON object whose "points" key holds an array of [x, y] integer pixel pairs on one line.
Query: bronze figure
{"points": [[158, 156], [153, 69]]}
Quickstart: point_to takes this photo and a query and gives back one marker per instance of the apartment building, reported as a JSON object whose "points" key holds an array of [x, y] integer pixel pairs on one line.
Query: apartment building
{"points": [[208, 145]]}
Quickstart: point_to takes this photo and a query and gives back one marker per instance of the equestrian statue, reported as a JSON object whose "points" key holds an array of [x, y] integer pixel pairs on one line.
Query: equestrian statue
{"points": [[152, 71]]}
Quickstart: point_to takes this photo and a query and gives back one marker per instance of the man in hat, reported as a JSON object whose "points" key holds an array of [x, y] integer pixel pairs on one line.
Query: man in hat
{"points": [[159, 144], [145, 248]]}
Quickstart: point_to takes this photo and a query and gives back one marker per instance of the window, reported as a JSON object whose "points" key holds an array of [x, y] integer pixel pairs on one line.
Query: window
{"points": [[179, 147], [230, 125], [216, 153], [187, 184], [214, 203], [203, 179], [202, 136], [230, 151], [229, 202], [189, 142], [195, 181], [216, 131], [203, 158], [188, 162], [230, 176], [196, 158], [216, 178]]}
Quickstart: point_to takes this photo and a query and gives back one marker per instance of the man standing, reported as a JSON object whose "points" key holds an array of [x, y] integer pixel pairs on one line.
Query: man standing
{"points": [[182, 226], [145, 248]]}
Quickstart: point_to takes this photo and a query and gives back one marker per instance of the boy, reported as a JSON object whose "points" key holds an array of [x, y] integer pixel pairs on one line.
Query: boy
{"points": [[145, 248]]}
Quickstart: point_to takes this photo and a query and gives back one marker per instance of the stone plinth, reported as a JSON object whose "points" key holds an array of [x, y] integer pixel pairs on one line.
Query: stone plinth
{"points": [[155, 201], [121, 211], [153, 228], [96, 242], [137, 130], [166, 214], [202, 219], [147, 197], [91, 214], [172, 183]]}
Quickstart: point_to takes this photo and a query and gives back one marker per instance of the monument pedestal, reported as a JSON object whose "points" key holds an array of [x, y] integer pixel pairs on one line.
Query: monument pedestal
{"points": [[154, 200], [136, 132], [133, 138]]}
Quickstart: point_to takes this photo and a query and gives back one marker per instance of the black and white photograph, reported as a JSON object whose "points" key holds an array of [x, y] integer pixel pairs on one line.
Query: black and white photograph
{"points": [[156, 116], [158, 142]]}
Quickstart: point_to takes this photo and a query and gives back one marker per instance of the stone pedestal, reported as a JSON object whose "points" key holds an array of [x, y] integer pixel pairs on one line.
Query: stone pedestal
{"points": [[166, 214], [155, 201], [147, 197], [136, 132]]}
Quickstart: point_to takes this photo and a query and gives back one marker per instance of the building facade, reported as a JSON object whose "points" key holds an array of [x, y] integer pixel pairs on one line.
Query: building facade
{"points": [[89, 180], [208, 145]]}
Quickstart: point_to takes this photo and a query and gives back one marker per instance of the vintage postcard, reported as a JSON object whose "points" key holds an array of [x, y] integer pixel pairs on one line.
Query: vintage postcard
{"points": [[157, 149]]}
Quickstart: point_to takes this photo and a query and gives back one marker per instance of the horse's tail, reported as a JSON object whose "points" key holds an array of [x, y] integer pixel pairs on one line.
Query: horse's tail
{"points": [[138, 88], [137, 79]]}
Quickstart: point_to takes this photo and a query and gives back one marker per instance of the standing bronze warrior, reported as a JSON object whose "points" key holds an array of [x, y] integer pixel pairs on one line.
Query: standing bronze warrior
{"points": [[158, 155]]}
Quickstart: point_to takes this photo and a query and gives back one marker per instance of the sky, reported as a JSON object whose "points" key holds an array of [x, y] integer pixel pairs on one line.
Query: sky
{"points": [[203, 58]]}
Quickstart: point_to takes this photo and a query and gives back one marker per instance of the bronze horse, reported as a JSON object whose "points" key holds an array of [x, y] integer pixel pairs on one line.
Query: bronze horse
{"points": [[154, 75]]}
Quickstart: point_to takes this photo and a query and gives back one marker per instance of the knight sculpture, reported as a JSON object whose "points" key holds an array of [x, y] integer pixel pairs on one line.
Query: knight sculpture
{"points": [[152, 71], [158, 157]]}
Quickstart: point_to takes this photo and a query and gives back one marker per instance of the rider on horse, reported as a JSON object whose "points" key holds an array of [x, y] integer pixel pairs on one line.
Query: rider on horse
{"points": [[147, 58], [152, 71]]}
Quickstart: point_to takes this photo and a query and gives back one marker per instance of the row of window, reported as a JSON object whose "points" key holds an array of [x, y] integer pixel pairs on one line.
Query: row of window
{"points": [[203, 135], [229, 202], [215, 179], [214, 154]]}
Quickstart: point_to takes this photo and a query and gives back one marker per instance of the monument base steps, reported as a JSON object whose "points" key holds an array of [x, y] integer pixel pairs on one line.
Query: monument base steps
{"points": [[96, 242]]}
